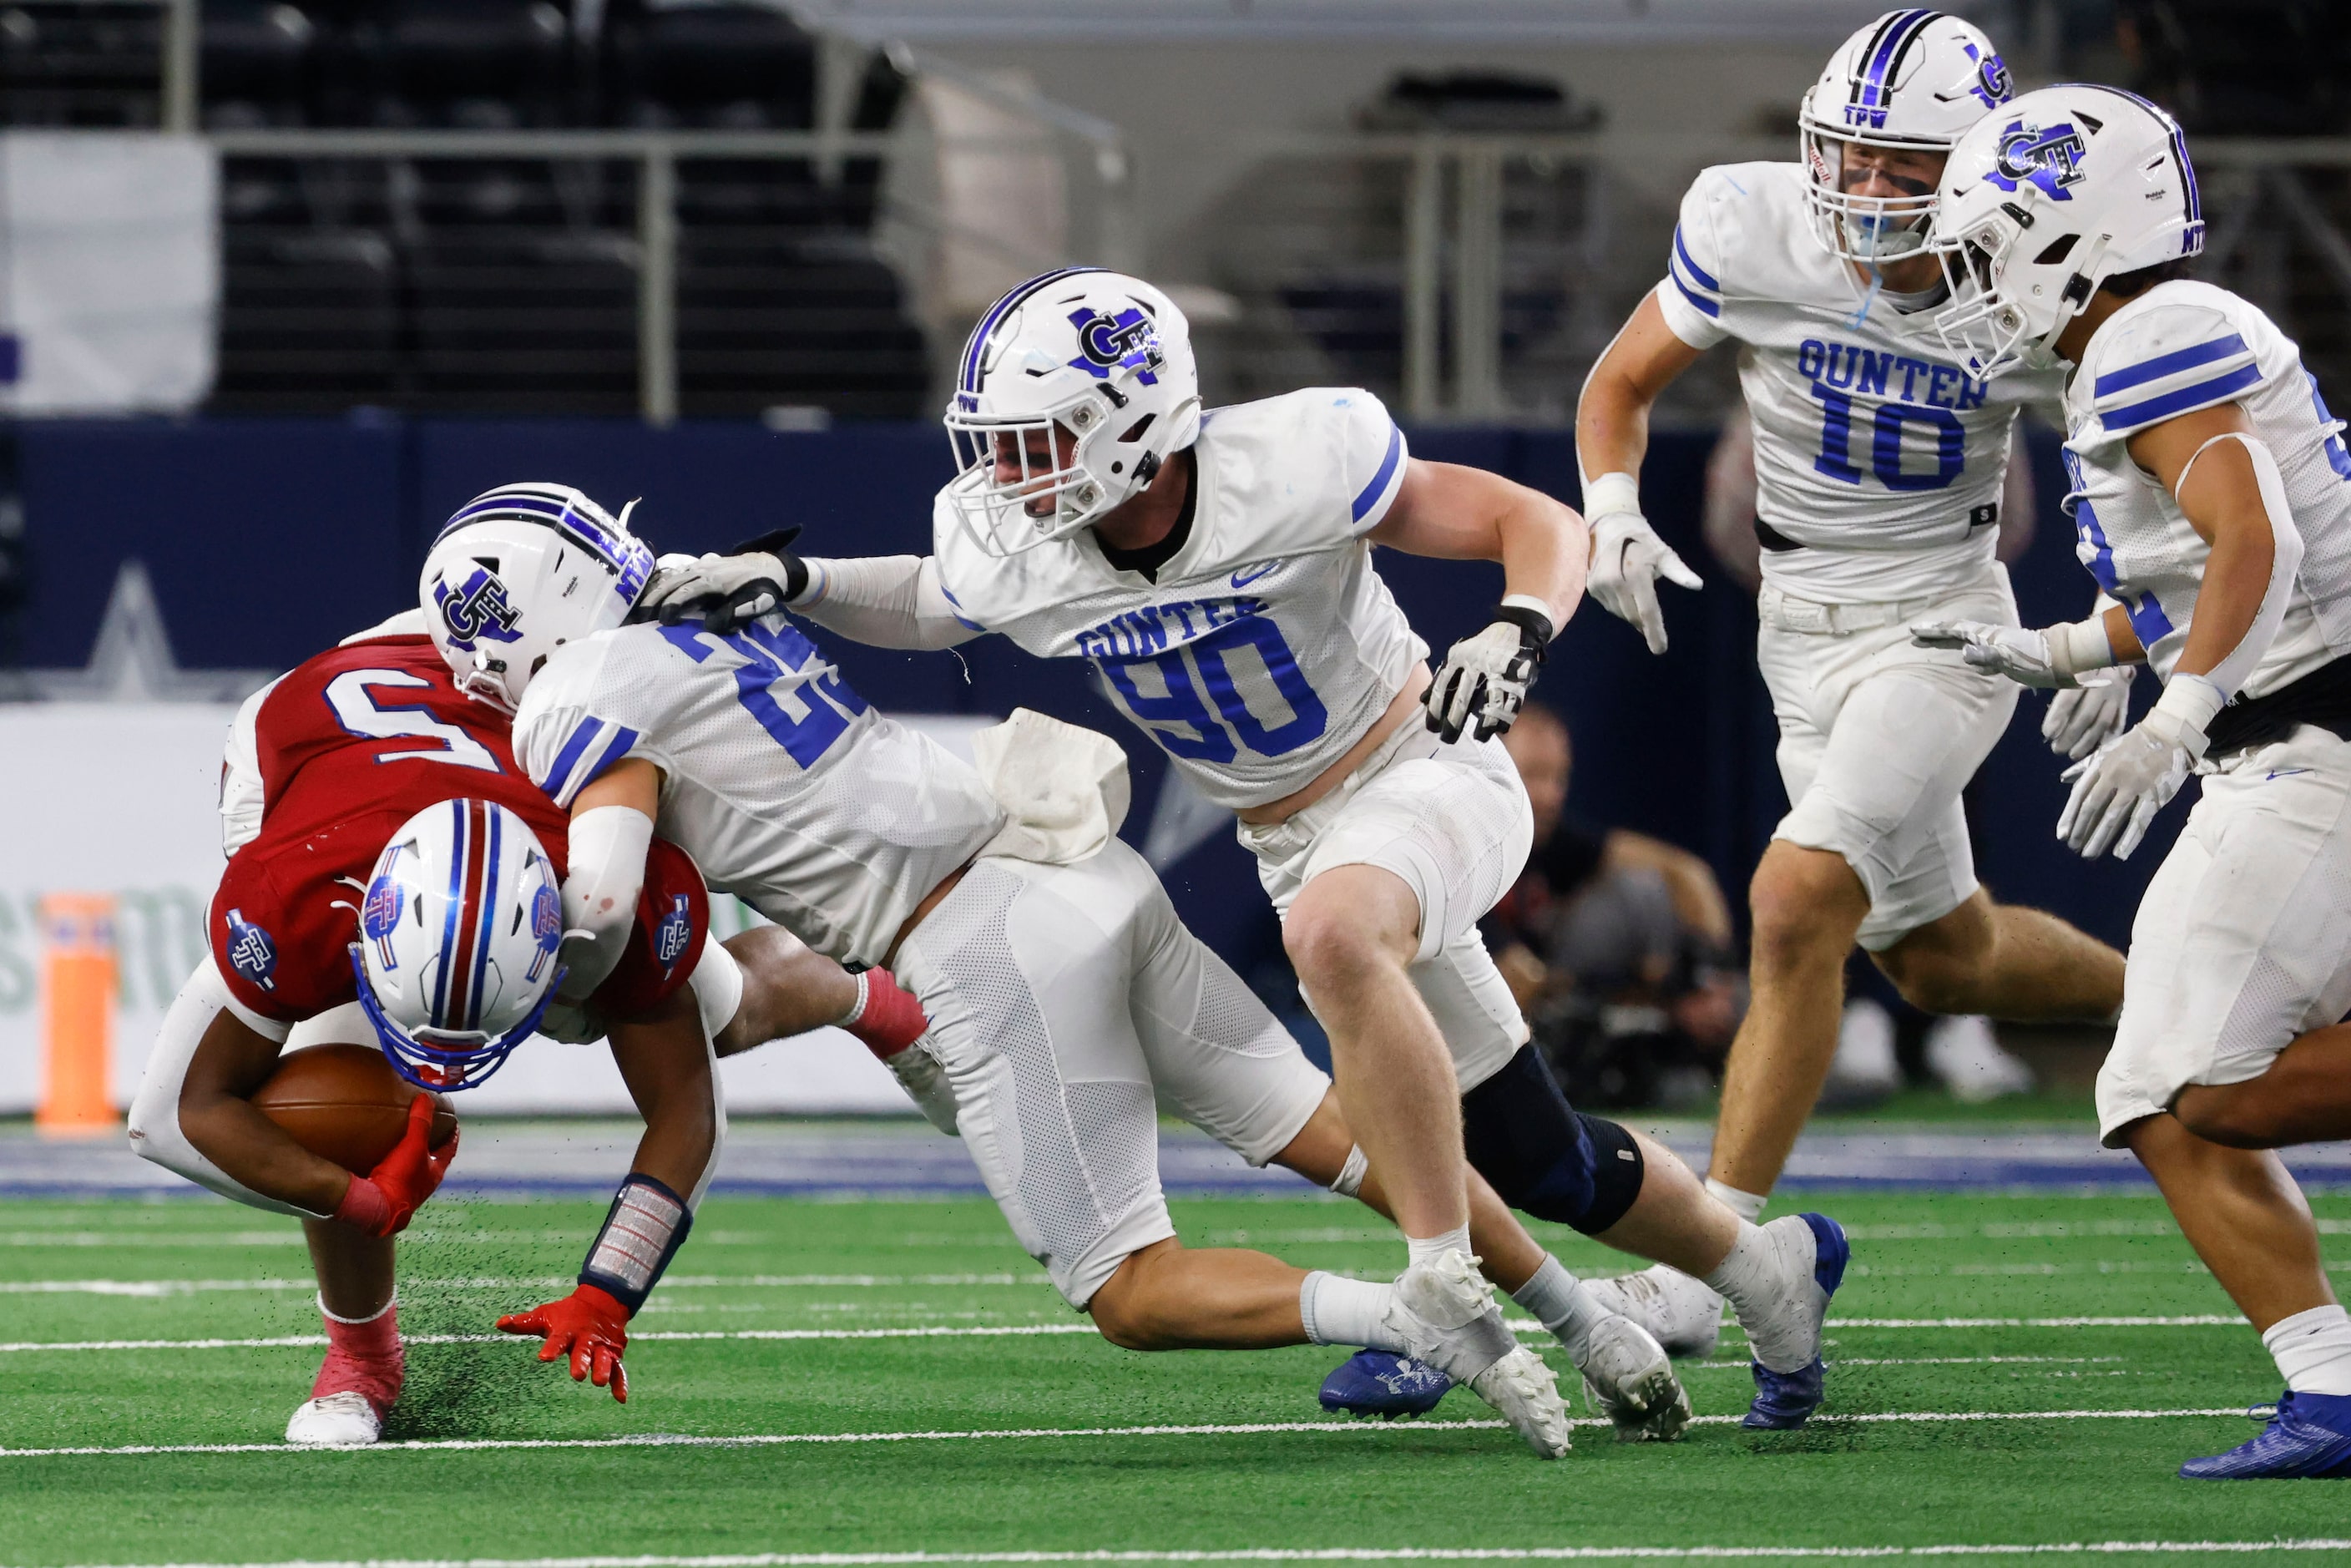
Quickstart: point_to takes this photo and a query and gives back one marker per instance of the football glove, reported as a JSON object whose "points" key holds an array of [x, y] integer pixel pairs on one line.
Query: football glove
{"points": [[1628, 558], [382, 1201], [589, 1326], [918, 1072], [754, 578], [2119, 787], [1485, 678], [2019, 653], [2082, 718]]}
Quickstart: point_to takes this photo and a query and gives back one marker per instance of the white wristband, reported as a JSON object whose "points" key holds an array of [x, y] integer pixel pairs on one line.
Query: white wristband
{"points": [[2079, 645], [2191, 703], [1611, 493]]}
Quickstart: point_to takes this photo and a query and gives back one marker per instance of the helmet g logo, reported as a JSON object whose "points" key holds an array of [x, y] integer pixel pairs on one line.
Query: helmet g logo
{"points": [[2050, 159], [476, 608], [1993, 86], [1127, 340]]}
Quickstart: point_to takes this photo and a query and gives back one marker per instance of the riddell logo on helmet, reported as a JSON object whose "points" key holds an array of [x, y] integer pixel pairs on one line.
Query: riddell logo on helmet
{"points": [[1127, 340], [2049, 157]]}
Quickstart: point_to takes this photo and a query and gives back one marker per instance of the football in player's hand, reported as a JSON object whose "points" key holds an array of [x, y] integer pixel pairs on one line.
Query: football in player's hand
{"points": [[345, 1103]]}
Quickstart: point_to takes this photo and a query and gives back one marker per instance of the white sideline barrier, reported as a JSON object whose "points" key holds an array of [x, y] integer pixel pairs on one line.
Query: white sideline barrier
{"points": [[120, 797]]}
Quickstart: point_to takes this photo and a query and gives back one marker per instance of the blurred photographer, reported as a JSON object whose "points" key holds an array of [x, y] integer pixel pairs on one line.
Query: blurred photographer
{"points": [[1618, 946]]}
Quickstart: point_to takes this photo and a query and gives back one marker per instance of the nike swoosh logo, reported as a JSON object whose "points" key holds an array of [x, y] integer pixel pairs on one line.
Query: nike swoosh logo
{"points": [[2286, 772], [1242, 579]]}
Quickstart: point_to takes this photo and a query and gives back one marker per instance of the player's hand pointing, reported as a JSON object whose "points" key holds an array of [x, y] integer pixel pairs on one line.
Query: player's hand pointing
{"points": [[1628, 558], [2019, 653]]}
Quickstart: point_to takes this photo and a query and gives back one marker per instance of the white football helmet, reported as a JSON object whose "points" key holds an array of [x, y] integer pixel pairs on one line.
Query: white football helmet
{"points": [[517, 572], [2044, 202], [458, 936], [1914, 81], [1084, 360]]}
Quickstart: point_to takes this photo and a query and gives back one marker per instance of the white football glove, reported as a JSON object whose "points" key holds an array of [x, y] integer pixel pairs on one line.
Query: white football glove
{"points": [[572, 1023], [2119, 788], [2019, 653], [1485, 677], [2085, 718], [756, 578], [1628, 558], [918, 1072]]}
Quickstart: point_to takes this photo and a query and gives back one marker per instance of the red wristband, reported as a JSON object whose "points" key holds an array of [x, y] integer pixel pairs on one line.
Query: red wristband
{"points": [[365, 1206], [888, 1018]]}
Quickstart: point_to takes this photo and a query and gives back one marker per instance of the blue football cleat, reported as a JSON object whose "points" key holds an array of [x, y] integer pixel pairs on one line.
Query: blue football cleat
{"points": [[1786, 1400], [2308, 1439], [1383, 1383]]}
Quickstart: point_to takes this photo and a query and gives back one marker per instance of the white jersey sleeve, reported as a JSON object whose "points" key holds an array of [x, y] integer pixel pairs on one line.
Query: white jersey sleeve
{"points": [[785, 787], [2179, 348], [1690, 295]]}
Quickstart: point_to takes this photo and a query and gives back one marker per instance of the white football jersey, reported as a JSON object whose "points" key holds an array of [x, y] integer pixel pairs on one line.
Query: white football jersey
{"points": [[1268, 645], [2178, 347], [1874, 450], [786, 787]]}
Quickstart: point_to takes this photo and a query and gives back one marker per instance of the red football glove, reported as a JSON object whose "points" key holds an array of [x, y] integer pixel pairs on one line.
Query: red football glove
{"points": [[382, 1202], [591, 1326]]}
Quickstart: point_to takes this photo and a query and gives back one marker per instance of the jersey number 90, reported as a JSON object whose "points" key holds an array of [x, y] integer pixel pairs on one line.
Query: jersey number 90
{"points": [[1180, 719]]}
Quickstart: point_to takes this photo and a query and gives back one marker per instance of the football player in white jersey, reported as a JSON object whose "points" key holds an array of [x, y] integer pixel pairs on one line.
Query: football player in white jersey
{"points": [[1064, 997], [1215, 569], [1879, 460], [2212, 500]]}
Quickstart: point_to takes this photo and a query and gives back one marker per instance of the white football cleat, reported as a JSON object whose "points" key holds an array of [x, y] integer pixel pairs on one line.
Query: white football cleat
{"points": [[919, 1073], [1443, 1312], [345, 1420], [1627, 1376], [1968, 1057], [1680, 1314]]}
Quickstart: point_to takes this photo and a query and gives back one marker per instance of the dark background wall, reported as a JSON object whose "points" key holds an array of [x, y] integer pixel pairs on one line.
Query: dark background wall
{"points": [[267, 541]]}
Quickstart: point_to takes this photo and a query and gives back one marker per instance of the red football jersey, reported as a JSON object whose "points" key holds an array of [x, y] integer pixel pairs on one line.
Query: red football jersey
{"points": [[353, 743]]}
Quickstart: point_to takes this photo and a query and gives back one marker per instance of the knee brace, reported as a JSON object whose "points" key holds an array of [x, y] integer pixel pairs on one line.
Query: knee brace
{"points": [[1543, 1157]]}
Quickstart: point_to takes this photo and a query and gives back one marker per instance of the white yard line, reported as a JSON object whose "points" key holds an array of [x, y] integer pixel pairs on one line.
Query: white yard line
{"points": [[669, 1283], [1303, 1554], [998, 1331], [761, 1440]]}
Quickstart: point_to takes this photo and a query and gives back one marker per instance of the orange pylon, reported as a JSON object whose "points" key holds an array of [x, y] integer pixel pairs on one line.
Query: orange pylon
{"points": [[77, 985]]}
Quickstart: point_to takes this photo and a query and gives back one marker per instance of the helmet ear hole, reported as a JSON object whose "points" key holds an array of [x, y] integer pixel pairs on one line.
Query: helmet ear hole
{"points": [[1135, 432], [2057, 251]]}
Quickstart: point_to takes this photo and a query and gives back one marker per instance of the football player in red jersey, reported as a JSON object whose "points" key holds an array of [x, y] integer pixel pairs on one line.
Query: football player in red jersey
{"points": [[326, 768]]}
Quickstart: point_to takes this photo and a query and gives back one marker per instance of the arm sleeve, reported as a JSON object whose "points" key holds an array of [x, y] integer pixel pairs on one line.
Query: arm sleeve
{"points": [[886, 602], [1690, 296], [2169, 361], [241, 792], [2236, 666], [1372, 457], [605, 872]]}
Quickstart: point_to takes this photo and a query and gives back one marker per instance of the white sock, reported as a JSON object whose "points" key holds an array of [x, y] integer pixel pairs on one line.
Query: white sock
{"points": [[1749, 1276], [395, 1301], [1561, 1304], [2314, 1350], [1747, 1206], [1345, 1311], [1419, 1250]]}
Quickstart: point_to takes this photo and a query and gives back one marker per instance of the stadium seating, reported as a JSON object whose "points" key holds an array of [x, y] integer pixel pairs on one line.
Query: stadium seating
{"points": [[509, 286]]}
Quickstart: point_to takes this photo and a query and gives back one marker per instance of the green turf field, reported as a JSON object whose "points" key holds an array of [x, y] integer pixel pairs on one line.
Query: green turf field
{"points": [[963, 1441]]}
